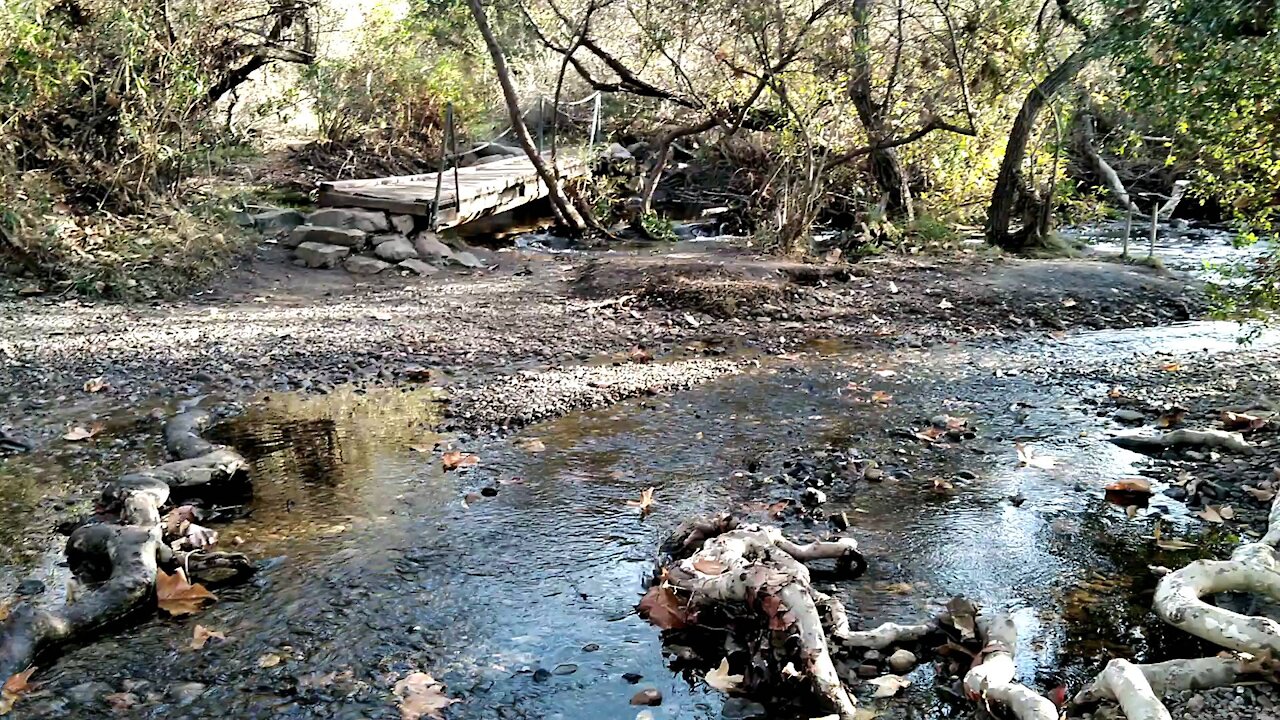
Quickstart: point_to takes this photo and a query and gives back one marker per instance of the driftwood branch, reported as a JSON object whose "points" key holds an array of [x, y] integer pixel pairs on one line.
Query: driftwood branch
{"points": [[119, 560]]}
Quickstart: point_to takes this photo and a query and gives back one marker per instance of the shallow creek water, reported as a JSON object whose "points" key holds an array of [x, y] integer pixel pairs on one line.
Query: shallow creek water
{"points": [[374, 566]]}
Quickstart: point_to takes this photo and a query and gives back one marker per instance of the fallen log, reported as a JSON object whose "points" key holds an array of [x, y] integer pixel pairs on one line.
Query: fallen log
{"points": [[119, 561], [992, 681]]}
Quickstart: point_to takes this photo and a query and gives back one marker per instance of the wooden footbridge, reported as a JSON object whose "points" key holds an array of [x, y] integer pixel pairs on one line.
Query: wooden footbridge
{"points": [[457, 196]]}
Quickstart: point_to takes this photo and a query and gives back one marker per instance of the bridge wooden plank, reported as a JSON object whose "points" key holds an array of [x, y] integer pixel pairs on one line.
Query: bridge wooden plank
{"points": [[477, 191]]}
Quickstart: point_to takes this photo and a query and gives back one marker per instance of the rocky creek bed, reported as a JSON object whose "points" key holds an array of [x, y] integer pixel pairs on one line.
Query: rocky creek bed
{"points": [[387, 564]]}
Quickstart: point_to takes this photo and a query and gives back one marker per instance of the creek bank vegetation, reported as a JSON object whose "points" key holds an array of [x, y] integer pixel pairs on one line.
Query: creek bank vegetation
{"points": [[887, 123]]}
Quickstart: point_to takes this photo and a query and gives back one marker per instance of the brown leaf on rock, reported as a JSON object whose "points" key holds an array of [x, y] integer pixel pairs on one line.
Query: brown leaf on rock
{"points": [[1213, 514], [775, 510], [121, 701], [176, 596], [1171, 367], [79, 432], [1136, 485], [932, 434], [662, 607], [420, 694], [1171, 417], [16, 686], [175, 518], [202, 635], [645, 503], [454, 459], [1242, 422], [1260, 494], [881, 397], [96, 385], [640, 355], [707, 566]]}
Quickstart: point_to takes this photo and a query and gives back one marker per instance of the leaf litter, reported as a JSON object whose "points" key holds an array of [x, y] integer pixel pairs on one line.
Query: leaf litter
{"points": [[421, 695]]}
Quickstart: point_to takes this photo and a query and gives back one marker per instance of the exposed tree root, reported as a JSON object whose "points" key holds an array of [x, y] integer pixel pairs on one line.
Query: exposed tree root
{"points": [[1253, 568], [992, 680], [1232, 441], [119, 560], [756, 574]]}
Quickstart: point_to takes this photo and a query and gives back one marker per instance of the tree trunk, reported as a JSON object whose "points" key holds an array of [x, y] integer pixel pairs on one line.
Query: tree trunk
{"points": [[1000, 212], [563, 206], [891, 178]]}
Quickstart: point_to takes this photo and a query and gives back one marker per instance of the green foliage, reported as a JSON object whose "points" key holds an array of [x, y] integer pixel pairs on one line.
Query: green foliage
{"points": [[658, 227]]}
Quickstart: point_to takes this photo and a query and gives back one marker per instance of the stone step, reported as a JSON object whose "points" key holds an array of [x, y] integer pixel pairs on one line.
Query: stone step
{"points": [[321, 255]]}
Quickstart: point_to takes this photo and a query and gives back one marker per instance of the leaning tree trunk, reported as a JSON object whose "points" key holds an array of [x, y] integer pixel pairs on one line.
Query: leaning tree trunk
{"points": [[1009, 182], [560, 202], [886, 168]]}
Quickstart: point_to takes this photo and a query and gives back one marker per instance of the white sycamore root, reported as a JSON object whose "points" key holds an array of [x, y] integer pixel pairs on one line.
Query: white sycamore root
{"points": [[1253, 568], [1223, 439], [758, 561], [992, 681]]}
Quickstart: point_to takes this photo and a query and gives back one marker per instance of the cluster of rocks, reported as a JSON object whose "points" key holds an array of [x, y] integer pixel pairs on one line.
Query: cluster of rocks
{"points": [[364, 242]]}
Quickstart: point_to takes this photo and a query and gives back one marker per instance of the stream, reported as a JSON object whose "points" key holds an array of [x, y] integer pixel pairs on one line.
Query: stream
{"points": [[522, 603], [376, 562]]}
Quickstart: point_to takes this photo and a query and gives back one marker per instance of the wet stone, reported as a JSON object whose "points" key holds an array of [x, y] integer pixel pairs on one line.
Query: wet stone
{"points": [[30, 587], [736, 708], [648, 696], [1126, 415], [565, 669], [186, 693], [541, 675], [901, 661], [632, 678], [868, 671]]}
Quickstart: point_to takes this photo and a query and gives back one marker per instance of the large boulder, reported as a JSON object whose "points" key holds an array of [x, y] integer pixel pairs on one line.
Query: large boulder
{"points": [[364, 265], [272, 222], [395, 250], [320, 255], [327, 235], [370, 221], [419, 267], [429, 246], [402, 224]]}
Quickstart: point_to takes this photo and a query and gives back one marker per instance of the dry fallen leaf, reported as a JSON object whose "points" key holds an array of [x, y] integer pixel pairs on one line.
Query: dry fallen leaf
{"points": [[1027, 456], [775, 510], [881, 397], [454, 459], [888, 685], [176, 596], [707, 566], [1132, 485], [720, 679], [945, 304], [932, 434], [1171, 417], [1068, 302], [645, 503], [1260, 494], [95, 385], [177, 517], [420, 694], [14, 688], [1242, 421], [121, 701], [269, 660], [1169, 543], [1171, 367], [1213, 514], [79, 432], [202, 635], [640, 355], [662, 607]]}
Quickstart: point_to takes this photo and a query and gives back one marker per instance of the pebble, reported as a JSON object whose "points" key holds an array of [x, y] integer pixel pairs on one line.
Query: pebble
{"points": [[736, 708], [648, 696]]}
